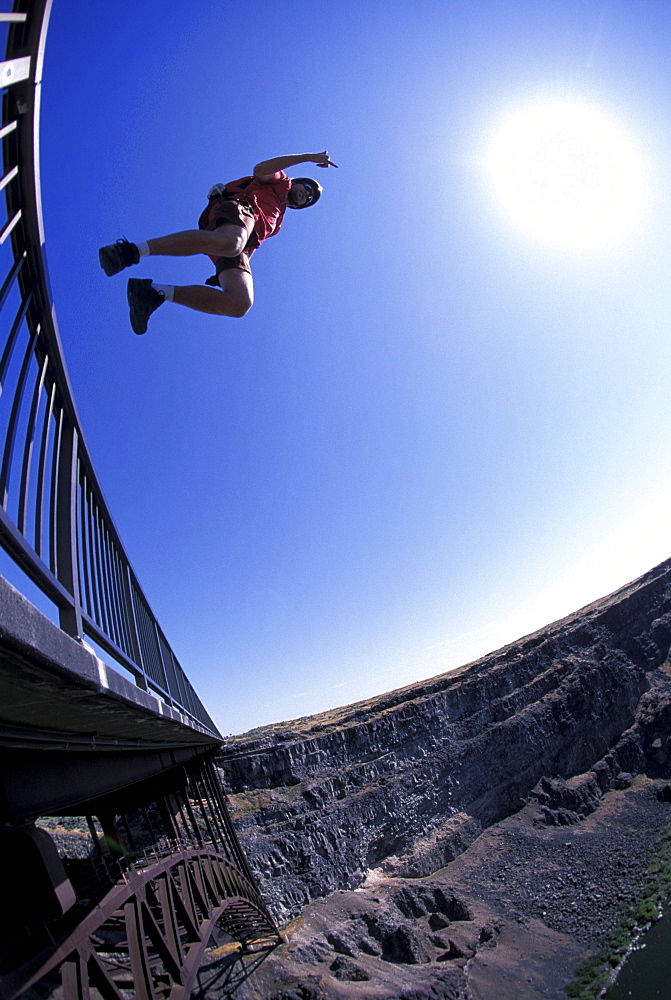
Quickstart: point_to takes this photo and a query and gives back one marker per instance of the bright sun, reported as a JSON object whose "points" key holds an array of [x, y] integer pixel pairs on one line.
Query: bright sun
{"points": [[566, 174]]}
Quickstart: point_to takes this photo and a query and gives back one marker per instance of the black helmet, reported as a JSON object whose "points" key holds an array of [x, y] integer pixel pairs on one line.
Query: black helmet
{"points": [[312, 187]]}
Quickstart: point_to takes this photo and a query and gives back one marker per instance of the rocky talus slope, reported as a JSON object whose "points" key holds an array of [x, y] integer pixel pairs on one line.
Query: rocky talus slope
{"points": [[410, 818]]}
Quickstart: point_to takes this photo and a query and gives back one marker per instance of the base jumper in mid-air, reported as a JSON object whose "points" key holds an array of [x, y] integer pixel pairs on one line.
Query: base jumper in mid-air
{"points": [[239, 216]]}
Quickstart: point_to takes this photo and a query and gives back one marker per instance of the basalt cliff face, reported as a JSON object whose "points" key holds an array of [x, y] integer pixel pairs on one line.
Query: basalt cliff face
{"points": [[373, 809]]}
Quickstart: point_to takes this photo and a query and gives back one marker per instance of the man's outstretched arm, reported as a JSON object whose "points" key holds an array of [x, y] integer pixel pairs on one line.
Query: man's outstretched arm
{"points": [[266, 169]]}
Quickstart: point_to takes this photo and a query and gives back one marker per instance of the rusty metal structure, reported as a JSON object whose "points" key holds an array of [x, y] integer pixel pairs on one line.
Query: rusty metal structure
{"points": [[122, 875], [161, 886]]}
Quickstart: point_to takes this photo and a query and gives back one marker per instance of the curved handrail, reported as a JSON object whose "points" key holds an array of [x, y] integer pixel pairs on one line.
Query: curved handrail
{"points": [[54, 521]]}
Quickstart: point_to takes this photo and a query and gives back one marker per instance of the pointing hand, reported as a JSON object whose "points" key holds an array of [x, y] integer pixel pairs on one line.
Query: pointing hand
{"points": [[324, 160]]}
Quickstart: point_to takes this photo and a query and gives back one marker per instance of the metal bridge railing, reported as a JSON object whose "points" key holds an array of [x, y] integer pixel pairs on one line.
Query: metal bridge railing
{"points": [[54, 521]]}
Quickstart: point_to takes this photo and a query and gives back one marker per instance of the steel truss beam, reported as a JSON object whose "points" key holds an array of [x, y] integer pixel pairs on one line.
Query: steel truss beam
{"points": [[149, 934]]}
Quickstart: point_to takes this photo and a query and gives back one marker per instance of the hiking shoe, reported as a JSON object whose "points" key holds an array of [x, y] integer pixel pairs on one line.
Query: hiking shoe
{"points": [[143, 301], [117, 256]]}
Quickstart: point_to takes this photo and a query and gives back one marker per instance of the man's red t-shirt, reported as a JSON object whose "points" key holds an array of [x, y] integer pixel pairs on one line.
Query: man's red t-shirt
{"points": [[267, 199]]}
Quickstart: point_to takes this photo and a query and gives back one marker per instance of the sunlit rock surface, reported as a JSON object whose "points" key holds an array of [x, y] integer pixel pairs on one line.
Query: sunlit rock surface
{"points": [[362, 823]]}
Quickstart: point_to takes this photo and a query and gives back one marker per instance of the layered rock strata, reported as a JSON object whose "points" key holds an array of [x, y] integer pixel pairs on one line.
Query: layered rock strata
{"points": [[510, 919], [405, 782]]}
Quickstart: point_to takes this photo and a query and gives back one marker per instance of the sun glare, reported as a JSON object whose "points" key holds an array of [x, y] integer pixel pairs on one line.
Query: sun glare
{"points": [[566, 174]]}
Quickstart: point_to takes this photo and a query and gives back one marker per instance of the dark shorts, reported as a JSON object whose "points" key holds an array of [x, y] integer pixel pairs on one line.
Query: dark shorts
{"points": [[241, 262], [233, 213]]}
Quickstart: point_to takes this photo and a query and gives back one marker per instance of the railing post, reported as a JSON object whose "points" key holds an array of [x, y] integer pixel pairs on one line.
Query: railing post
{"points": [[67, 562], [172, 700], [133, 627]]}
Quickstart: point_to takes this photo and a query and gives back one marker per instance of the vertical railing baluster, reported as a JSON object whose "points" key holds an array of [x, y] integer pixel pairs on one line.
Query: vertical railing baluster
{"points": [[42, 473], [11, 340], [10, 439], [127, 624], [7, 129], [134, 630], [84, 556], [55, 463], [28, 450], [105, 581], [11, 278], [90, 522], [104, 572], [114, 593], [66, 526], [97, 552]]}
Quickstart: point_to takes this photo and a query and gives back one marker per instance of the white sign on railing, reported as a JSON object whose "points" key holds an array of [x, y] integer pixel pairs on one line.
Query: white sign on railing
{"points": [[14, 70]]}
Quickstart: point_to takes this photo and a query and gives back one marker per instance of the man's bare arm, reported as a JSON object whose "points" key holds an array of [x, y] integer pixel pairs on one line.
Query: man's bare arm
{"points": [[267, 168]]}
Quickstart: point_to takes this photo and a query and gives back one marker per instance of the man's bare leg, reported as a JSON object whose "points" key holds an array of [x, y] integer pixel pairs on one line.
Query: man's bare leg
{"points": [[226, 241], [235, 298]]}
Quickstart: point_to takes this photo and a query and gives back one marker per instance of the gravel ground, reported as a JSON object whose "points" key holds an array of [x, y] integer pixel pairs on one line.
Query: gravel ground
{"points": [[575, 879], [70, 834]]}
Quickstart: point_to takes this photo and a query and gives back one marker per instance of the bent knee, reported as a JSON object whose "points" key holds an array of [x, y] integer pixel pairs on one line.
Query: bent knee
{"points": [[230, 246], [236, 306], [240, 309]]}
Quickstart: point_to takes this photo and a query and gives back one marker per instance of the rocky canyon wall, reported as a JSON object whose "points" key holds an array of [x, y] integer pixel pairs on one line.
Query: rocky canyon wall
{"points": [[406, 781]]}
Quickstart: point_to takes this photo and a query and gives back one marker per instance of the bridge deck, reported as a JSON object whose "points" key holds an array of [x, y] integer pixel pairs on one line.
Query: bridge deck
{"points": [[62, 684], [71, 727]]}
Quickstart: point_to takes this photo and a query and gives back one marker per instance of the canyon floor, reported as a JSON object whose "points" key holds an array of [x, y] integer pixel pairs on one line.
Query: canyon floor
{"points": [[509, 919]]}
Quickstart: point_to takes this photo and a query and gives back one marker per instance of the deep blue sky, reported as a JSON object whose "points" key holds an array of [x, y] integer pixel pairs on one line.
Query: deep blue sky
{"points": [[434, 432]]}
